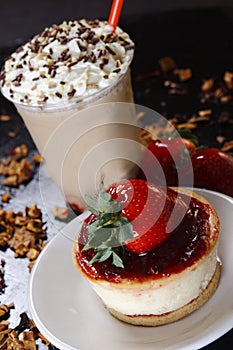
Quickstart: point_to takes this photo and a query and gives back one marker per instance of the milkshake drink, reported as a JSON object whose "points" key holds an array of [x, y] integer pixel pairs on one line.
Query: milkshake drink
{"points": [[67, 80]]}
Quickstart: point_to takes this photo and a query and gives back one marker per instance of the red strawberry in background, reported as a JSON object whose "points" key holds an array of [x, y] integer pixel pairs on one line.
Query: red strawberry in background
{"points": [[212, 169], [163, 160], [177, 161]]}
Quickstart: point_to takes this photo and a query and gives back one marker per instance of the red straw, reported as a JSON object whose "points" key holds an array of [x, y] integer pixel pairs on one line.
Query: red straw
{"points": [[115, 13]]}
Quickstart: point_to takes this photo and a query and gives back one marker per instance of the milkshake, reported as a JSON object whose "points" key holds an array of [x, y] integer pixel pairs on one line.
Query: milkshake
{"points": [[69, 76]]}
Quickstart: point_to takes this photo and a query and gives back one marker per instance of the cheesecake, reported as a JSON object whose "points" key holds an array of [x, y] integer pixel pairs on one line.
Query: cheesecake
{"points": [[167, 281]]}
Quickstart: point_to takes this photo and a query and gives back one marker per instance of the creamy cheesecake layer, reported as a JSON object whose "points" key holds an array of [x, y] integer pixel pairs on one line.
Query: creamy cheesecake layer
{"points": [[166, 279], [158, 296]]}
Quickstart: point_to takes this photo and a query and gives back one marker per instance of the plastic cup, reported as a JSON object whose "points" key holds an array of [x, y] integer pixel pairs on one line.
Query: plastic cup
{"points": [[97, 124]]}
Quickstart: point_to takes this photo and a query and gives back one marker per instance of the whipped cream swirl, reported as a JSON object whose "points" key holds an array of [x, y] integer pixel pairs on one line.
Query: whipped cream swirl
{"points": [[69, 61]]}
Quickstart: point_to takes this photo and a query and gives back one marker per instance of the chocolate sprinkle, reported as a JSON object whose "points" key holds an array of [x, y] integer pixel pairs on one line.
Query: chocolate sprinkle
{"points": [[110, 50], [58, 94], [42, 56], [71, 93]]}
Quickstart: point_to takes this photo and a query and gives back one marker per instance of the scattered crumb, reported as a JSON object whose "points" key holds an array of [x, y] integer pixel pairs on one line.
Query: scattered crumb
{"points": [[11, 133], [207, 85], [19, 152], [188, 125], [24, 233], [6, 197], [205, 112], [16, 168], [60, 213], [37, 158], [167, 64], [183, 74], [217, 90], [5, 117], [15, 172], [227, 146], [220, 139], [23, 336], [228, 78], [5, 310]]}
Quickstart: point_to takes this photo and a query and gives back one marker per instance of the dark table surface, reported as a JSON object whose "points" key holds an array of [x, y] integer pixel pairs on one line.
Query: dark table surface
{"points": [[198, 39]]}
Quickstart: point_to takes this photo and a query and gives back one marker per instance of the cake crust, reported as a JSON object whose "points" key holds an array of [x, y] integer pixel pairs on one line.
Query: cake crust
{"points": [[159, 320]]}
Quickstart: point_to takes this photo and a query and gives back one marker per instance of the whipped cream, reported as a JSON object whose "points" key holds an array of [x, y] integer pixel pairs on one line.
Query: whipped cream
{"points": [[66, 62]]}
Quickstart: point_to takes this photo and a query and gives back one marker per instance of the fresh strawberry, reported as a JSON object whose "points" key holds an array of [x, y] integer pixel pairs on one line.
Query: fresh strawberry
{"points": [[133, 214], [163, 159], [148, 208], [212, 169]]}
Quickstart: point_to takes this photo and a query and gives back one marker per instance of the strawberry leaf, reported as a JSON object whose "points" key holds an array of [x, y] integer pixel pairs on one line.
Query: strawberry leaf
{"points": [[106, 254], [125, 233], [109, 231], [187, 134], [96, 257], [117, 261], [101, 236]]}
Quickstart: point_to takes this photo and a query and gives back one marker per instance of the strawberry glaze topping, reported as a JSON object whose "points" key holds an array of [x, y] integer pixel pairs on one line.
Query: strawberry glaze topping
{"points": [[186, 244]]}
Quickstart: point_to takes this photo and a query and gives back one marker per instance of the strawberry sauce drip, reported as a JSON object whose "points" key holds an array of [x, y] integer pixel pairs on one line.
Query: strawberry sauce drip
{"points": [[183, 248]]}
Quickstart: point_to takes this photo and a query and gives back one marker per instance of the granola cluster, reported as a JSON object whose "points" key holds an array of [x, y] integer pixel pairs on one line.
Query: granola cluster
{"points": [[16, 169], [24, 233], [23, 336], [212, 92]]}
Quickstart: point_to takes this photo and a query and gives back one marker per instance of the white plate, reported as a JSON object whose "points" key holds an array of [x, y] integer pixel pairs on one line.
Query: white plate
{"points": [[69, 314]]}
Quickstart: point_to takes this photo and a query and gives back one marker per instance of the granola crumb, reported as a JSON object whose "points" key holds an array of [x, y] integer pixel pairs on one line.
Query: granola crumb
{"points": [[227, 146], [23, 232], [228, 78], [207, 85], [167, 64], [23, 336], [205, 112], [5, 117], [15, 172], [19, 152], [61, 213], [11, 134], [183, 74], [37, 158], [6, 197], [220, 139]]}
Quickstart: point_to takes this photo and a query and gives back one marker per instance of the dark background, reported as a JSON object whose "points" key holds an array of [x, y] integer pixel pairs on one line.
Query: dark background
{"points": [[24, 18]]}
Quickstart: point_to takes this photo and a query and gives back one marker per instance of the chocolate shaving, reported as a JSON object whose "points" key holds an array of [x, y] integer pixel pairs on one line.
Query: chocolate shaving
{"points": [[104, 62], [71, 93], [110, 50], [72, 64], [116, 70], [18, 78], [58, 94], [129, 47]]}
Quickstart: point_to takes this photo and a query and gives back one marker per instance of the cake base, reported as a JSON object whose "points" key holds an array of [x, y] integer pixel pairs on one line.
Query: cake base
{"points": [[158, 320]]}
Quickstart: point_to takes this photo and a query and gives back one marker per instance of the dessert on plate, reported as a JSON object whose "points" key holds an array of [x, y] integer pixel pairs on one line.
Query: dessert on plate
{"points": [[149, 252]]}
